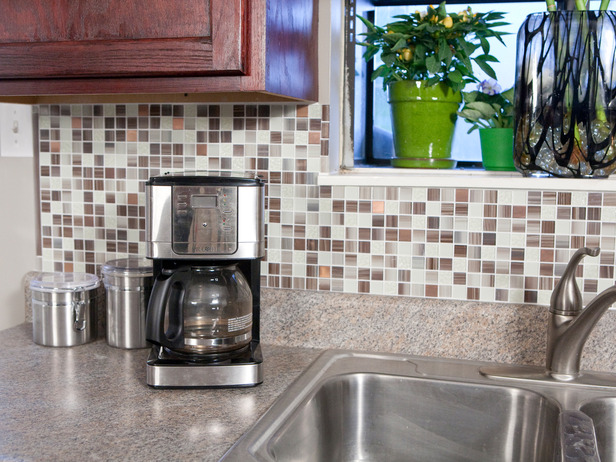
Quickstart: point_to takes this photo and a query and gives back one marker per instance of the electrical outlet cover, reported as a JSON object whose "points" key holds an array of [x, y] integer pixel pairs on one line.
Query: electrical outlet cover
{"points": [[16, 134]]}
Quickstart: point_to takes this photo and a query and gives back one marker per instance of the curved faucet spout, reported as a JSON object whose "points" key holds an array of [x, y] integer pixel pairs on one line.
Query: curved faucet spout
{"points": [[566, 297], [568, 334]]}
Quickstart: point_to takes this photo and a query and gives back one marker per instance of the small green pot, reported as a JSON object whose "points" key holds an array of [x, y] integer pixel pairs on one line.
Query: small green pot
{"points": [[497, 148], [423, 120]]}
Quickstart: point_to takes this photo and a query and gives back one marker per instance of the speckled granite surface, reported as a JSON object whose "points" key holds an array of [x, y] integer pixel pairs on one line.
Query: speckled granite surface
{"points": [[499, 332], [514, 334], [91, 402]]}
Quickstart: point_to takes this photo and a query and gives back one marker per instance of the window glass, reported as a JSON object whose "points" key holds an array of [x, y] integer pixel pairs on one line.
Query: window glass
{"points": [[376, 146]]}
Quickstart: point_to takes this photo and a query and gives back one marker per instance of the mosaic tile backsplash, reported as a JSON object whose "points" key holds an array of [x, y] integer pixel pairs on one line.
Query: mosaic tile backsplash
{"points": [[452, 243]]}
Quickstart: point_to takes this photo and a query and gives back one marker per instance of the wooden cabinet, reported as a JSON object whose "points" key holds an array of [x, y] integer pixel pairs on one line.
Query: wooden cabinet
{"points": [[165, 47]]}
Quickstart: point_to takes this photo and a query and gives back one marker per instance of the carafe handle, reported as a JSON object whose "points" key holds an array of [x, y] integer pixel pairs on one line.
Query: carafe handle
{"points": [[160, 296]]}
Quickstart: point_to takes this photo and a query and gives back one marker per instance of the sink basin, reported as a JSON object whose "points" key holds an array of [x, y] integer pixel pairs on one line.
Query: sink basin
{"points": [[353, 406], [380, 417], [603, 413]]}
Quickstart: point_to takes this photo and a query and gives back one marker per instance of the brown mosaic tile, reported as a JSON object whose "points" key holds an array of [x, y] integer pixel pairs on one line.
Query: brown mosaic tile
{"points": [[461, 195], [519, 211], [609, 199], [594, 213], [549, 198], [490, 197], [595, 198], [534, 197]]}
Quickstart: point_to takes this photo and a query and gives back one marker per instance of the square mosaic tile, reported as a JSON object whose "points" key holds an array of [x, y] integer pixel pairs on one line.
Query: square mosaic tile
{"points": [[452, 243]]}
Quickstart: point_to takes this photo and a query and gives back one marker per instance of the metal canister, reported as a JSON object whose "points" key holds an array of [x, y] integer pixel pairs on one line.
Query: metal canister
{"points": [[128, 284], [64, 308]]}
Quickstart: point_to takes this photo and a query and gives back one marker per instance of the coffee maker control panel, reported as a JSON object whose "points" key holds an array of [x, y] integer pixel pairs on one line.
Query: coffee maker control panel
{"points": [[195, 216], [204, 220]]}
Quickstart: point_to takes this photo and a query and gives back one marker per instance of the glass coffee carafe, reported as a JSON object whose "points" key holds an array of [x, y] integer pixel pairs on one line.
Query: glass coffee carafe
{"points": [[217, 310], [203, 310]]}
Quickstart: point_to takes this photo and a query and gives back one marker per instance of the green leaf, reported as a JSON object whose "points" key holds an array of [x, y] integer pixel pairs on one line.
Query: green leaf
{"points": [[489, 58], [381, 71], [467, 47], [508, 94], [456, 86], [485, 109], [470, 114], [367, 23], [455, 76], [388, 59], [485, 45], [399, 44], [433, 65], [485, 67], [370, 53], [441, 10], [433, 80], [470, 96], [464, 66], [444, 52]]}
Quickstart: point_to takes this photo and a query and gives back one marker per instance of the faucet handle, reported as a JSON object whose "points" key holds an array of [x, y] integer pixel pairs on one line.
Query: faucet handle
{"points": [[566, 298]]}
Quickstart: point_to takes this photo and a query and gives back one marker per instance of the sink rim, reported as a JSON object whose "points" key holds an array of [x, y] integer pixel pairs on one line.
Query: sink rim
{"points": [[254, 442]]}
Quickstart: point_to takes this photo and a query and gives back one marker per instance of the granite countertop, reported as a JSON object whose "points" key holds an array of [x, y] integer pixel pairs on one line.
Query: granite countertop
{"points": [[91, 402]]}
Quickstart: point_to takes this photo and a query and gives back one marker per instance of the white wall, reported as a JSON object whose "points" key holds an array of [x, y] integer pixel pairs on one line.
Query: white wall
{"points": [[18, 234]]}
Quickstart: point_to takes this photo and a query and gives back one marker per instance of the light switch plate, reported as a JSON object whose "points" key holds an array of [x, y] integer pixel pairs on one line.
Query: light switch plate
{"points": [[16, 135]]}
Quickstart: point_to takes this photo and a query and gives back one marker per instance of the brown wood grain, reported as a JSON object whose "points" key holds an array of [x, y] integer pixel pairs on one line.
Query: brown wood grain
{"points": [[77, 20], [95, 47]]}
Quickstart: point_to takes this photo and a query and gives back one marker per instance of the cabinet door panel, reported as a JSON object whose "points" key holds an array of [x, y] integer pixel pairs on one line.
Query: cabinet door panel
{"points": [[108, 38]]}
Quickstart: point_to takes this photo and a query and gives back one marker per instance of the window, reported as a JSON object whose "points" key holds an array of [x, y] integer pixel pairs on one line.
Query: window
{"points": [[372, 126]]}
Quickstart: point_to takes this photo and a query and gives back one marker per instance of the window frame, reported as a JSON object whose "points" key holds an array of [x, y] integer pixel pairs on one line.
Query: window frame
{"points": [[348, 160]]}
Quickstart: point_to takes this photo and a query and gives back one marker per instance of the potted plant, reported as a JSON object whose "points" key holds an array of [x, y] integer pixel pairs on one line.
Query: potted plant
{"points": [[427, 60], [491, 112]]}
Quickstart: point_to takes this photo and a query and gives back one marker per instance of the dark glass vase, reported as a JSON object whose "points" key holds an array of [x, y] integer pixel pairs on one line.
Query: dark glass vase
{"points": [[565, 95]]}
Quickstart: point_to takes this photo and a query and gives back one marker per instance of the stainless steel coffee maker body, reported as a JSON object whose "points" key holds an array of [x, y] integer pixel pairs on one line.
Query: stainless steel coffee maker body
{"points": [[192, 217], [205, 236]]}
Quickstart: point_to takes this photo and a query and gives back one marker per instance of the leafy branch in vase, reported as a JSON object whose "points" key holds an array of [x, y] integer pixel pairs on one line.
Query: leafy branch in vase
{"points": [[568, 123]]}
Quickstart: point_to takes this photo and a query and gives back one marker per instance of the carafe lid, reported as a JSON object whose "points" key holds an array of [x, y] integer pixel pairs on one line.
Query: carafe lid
{"points": [[64, 282], [131, 266]]}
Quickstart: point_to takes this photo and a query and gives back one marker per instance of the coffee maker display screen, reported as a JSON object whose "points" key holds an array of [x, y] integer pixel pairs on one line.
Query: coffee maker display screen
{"points": [[204, 202], [204, 220]]}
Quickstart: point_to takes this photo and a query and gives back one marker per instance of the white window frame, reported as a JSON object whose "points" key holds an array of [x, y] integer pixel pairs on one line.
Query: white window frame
{"points": [[332, 25]]}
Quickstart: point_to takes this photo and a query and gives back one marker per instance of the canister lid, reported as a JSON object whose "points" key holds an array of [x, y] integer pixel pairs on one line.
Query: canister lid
{"points": [[131, 266], [65, 282]]}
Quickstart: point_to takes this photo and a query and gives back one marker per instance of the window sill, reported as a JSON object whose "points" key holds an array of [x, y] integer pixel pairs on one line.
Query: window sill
{"points": [[477, 179]]}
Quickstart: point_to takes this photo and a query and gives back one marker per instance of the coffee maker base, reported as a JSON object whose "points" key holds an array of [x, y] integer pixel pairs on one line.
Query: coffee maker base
{"points": [[241, 371]]}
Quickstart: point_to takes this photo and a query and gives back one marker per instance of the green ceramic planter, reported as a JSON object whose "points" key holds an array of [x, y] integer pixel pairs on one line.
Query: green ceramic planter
{"points": [[497, 148], [423, 120]]}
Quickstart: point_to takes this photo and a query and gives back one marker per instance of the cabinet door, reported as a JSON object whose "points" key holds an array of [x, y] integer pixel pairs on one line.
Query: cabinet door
{"points": [[122, 38]]}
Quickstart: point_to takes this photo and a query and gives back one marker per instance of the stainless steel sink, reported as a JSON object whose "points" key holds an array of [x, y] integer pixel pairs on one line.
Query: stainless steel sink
{"points": [[603, 413], [352, 406], [380, 417]]}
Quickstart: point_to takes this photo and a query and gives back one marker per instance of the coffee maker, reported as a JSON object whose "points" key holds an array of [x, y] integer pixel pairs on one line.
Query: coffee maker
{"points": [[205, 236]]}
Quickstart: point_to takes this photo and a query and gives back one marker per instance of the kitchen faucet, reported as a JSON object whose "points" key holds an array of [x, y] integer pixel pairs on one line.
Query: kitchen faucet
{"points": [[569, 326], [570, 323]]}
